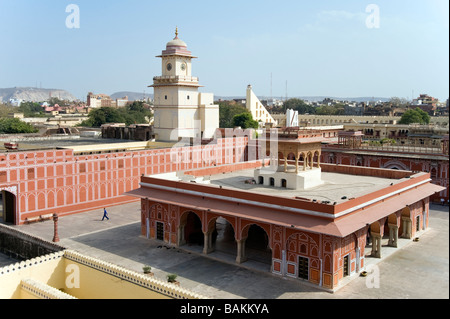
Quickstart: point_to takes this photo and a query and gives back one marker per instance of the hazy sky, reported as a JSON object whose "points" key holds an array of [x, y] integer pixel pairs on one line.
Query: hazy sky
{"points": [[326, 47]]}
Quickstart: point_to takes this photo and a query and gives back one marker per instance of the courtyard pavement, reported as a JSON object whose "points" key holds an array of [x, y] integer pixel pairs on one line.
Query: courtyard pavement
{"points": [[417, 270]]}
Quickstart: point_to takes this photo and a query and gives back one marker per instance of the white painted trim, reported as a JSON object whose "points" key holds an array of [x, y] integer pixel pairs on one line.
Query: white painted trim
{"points": [[380, 198], [273, 206], [281, 266], [295, 274], [242, 201]]}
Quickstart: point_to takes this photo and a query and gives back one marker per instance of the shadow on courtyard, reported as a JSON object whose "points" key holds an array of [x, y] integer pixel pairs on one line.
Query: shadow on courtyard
{"points": [[123, 246]]}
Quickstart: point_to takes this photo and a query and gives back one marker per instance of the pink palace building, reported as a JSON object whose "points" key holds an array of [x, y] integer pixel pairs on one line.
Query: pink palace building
{"points": [[300, 218]]}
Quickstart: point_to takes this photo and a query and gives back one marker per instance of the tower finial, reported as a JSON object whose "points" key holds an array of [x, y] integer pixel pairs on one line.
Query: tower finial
{"points": [[176, 32]]}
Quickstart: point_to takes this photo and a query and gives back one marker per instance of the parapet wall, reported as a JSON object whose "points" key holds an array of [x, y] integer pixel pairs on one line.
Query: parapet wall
{"points": [[41, 269], [24, 246], [365, 171], [222, 169], [131, 284], [62, 182], [71, 275]]}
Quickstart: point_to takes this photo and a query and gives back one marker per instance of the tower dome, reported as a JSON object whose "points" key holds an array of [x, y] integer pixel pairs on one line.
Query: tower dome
{"points": [[176, 42], [176, 47]]}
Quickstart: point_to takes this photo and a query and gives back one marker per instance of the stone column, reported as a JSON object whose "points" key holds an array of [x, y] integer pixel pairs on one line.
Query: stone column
{"points": [[180, 236], [207, 246], [296, 165], [358, 258], [393, 236], [55, 231], [241, 251], [285, 163], [376, 245], [407, 227]]}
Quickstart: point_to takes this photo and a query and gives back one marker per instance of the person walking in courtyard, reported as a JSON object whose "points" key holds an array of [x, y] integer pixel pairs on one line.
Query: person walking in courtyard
{"points": [[105, 214]]}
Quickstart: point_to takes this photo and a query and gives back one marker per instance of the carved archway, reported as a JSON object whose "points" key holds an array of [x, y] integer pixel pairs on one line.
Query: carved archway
{"points": [[255, 244], [395, 164], [191, 229], [219, 235]]}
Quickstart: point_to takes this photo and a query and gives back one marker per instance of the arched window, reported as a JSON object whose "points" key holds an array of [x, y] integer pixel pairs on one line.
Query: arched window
{"points": [[272, 181]]}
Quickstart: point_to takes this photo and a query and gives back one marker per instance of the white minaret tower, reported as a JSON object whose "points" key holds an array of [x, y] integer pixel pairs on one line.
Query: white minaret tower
{"points": [[180, 110]]}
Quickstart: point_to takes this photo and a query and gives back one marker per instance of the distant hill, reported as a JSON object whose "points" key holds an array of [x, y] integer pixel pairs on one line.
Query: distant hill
{"points": [[132, 96], [321, 98], [31, 94], [350, 99]]}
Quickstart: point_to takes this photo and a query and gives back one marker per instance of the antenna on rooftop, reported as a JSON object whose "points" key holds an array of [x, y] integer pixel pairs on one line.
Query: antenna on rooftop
{"points": [[286, 91], [271, 97]]}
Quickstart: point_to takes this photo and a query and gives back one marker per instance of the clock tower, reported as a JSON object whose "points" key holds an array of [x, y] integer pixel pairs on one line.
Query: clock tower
{"points": [[180, 110]]}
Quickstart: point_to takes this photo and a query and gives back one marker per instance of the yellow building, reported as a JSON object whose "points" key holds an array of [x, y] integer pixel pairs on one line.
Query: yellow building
{"points": [[71, 275]]}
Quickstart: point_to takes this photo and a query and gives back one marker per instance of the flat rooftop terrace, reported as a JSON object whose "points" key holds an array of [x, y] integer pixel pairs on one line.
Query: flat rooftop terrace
{"points": [[85, 144], [336, 187]]}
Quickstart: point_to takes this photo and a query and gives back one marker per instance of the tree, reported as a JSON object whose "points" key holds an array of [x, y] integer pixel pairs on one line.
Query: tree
{"points": [[54, 100], [299, 105], [103, 115], [245, 121], [227, 111], [416, 116], [6, 109], [15, 126], [31, 109], [399, 102], [135, 113]]}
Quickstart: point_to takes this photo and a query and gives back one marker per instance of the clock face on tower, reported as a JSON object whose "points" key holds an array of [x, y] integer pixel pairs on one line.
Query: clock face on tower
{"points": [[169, 66]]}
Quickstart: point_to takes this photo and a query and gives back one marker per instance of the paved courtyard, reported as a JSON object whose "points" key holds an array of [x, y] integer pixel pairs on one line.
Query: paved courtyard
{"points": [[416, 270]]}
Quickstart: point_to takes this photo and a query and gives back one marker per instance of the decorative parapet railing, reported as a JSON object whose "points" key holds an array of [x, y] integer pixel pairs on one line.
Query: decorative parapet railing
{"points": [[390, 148], [175, 78], [167, 289], [43, 291], [7, 270]]}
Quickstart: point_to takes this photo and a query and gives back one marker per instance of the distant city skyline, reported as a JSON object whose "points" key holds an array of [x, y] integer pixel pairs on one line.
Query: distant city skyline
{"points": [[287, 48]]}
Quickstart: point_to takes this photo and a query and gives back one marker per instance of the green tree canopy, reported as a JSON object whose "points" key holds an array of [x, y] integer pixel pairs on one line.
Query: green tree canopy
{"points": [[337, 109], [31, 109], [245, 121], [227, 111], [54, 100], [416, 116], [298, 105], [135, 113], [6, 109], [15, 126], [103, 115]]}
